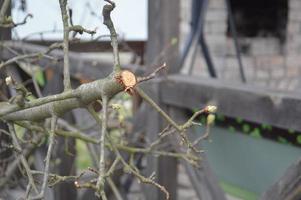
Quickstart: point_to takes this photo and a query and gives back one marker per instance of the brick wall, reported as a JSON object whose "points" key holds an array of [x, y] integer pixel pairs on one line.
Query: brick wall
{"points": [[267, 61]]}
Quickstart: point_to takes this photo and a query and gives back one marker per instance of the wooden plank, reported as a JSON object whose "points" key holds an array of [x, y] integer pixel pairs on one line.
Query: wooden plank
{"points": [[152, 128], [204, 181], [80, 65], [288, 186], [254, 104], [167, 176], [97, 46], [5, 33]]}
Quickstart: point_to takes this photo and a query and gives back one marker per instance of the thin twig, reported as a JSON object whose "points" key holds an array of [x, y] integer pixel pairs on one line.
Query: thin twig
{"points": [[79, 29], [48, 157], [28, 189], [114, 189], [106, 12], [12, 24], [138, 175], [152, 75], [23, 57], [65, 19], [103, 123], [157, 108], [23, 159]]}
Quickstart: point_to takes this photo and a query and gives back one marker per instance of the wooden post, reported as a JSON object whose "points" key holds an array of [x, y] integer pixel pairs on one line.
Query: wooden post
{"points": [[163, 26], [165, 168], [5, 33], [288, 186], [66, 167]]}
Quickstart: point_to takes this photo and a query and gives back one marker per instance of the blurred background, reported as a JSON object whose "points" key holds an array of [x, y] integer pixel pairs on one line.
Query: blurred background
{"points": [[243, 56]]}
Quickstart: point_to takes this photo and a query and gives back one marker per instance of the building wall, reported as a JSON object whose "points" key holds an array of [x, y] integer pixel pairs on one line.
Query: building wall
{"points": [[268, 62]]}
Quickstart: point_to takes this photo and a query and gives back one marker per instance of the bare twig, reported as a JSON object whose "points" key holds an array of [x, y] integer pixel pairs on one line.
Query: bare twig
{"points": [[106, 12], [48, 156], [79, 29], [138, 175], [23, 159], [152, 75], [13, 166], [114, 189], [65, 19], [56, 179], [26, 56], [101, 180], [9, 23], [158, 109]]}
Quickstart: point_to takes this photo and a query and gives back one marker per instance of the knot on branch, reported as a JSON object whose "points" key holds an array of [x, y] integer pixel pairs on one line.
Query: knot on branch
{"points": [[79, 29]]}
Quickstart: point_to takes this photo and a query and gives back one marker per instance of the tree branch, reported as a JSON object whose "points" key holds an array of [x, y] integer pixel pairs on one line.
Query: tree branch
{"points": [[65, 19], [48, 157], [106, 12], [3, 11], [23, 159], [103, 123]]}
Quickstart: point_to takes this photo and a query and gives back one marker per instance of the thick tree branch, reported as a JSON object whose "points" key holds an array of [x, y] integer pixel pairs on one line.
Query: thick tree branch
{"points": [[42, 108]]}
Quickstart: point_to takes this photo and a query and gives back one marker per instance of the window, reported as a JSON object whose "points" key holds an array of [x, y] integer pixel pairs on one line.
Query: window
{"points": [[260, 18]]}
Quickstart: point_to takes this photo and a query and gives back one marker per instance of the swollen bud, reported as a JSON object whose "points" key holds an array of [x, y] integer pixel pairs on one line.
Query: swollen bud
{"points": [[210, 119], [211, 109], [8, 80]]}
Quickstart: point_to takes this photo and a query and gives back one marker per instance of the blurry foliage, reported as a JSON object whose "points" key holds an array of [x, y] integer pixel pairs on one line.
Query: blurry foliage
{"points": [[239, 125]]}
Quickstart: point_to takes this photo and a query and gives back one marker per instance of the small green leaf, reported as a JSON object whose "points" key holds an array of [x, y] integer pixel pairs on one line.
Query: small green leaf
{"points": [[266, 127], [195, 110], [299, 139], [231, 129], [239, 120], [203, 120], [282, 140], [220, 117], [246, 128], [39, 76], [174, 41], [291, 131], [256, 133]]}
